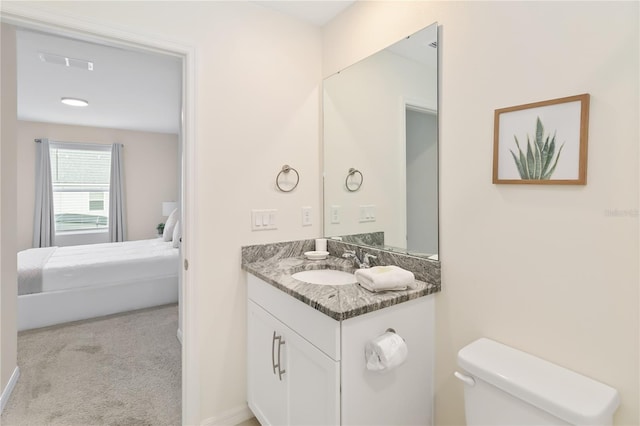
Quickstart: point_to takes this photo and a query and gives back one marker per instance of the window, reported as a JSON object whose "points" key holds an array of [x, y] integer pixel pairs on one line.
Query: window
{"points": [[80, 177]]}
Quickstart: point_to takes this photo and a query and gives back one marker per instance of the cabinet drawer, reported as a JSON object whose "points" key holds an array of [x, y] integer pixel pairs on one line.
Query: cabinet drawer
{"points": [[319, 329]]}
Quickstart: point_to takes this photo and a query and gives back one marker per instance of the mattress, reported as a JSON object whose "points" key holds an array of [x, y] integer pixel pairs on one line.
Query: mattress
{"points": [[101, 264]]}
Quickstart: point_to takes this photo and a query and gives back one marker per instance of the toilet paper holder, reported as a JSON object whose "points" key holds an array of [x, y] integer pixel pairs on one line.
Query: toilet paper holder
{"points": [[391, 330], [385, 352]]}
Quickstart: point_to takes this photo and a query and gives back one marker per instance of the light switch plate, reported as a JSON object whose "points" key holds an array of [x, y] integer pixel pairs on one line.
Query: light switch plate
{"points": [[262, 220], [367, 213]]}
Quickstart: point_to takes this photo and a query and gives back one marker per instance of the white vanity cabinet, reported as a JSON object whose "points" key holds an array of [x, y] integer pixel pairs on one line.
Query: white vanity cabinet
{"points": [[290, 381], [306, 368]]}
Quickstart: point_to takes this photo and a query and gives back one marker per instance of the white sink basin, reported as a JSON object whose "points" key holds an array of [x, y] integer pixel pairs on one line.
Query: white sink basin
{"points": [[325, 277]]}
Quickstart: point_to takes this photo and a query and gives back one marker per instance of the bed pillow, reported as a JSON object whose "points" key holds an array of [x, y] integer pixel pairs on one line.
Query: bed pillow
{"points": [[176, 235], [167, 235]]}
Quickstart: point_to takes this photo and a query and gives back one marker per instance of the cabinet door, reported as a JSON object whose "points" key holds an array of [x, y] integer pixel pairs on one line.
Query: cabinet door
{"points": [[267, 392], [314, 384], [304, 386]]}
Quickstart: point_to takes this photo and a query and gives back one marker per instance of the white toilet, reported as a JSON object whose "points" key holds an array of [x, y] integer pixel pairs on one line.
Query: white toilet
{"points": [[504, 386]]}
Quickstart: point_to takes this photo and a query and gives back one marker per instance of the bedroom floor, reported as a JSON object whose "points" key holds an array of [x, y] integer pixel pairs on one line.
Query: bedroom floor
{"points": [[123, 369]]}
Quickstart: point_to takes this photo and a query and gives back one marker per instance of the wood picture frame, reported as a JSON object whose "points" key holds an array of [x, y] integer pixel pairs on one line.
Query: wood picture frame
{"points": [[542, 143]]}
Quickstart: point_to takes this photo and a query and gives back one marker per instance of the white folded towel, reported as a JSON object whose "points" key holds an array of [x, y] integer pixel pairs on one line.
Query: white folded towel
{"points": [[382, 278]]}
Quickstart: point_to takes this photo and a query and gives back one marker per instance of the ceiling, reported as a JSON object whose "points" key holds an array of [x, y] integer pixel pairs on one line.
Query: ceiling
{"points": [[126, 89], [420, 46], [317, 12]]}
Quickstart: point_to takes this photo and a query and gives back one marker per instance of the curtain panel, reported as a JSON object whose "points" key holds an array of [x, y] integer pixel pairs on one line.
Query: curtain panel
{"points": [[117, 219], [44, 227]]}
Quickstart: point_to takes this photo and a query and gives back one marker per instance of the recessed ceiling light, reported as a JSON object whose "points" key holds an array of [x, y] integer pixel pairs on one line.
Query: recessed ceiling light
{"points": [[74, 102]]}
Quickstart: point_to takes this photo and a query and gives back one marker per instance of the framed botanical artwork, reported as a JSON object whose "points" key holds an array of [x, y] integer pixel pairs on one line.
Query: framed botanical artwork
{"points": [[542, 142]]}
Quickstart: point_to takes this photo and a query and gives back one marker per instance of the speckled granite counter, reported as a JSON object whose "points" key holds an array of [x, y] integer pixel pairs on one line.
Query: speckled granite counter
{"points": [[275, 263]]}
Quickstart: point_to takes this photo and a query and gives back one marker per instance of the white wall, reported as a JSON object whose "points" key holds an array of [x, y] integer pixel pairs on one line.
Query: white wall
{"points": [[150, 172], [364, 128], [257, 108], [544, 269], [8, 211]]}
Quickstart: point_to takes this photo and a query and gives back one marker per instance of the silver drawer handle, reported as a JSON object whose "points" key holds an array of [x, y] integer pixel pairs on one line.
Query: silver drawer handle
{"points": [[280, 371], [273, 352]]}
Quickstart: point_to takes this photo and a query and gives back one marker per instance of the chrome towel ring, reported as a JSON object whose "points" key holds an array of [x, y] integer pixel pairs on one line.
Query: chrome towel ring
{"points": [[354, 186], [286, 169]]}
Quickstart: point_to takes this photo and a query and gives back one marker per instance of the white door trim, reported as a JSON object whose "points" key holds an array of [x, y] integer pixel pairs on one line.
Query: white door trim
{"points": [[6, 392], [28, 15]]}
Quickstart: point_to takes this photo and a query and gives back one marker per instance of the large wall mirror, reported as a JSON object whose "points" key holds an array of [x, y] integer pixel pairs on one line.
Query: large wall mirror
{"points": [[381, 148]]}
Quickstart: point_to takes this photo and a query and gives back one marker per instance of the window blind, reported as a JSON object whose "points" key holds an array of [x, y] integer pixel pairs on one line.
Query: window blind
{"points": [[80, 176]]}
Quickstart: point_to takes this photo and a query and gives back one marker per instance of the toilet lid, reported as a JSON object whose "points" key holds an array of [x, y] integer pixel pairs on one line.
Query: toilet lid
{"points": [[570, 396]]}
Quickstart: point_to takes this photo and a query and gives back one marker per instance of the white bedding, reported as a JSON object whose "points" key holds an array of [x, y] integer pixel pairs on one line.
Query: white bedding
{"points": [[30, 265], [109, 263]]}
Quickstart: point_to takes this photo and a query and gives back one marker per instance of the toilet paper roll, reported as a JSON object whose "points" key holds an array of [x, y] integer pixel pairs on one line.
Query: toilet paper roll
{"points": [[385, 352], [321, 244]]}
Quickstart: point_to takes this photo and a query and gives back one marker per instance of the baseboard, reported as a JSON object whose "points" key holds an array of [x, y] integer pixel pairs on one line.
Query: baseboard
{"points": [[179, 336], [6, 392], [229, 418]]}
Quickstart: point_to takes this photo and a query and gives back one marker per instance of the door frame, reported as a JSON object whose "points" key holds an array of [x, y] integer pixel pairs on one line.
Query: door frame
{"points": [[415, 104], [22, 16], [425, 111]]}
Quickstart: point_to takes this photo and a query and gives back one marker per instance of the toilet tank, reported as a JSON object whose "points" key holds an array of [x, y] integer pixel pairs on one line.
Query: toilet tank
{"points": [[505, 386]]}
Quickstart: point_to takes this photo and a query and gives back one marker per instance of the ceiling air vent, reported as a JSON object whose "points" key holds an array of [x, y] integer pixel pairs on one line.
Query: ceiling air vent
{"points": [[50, 58]]}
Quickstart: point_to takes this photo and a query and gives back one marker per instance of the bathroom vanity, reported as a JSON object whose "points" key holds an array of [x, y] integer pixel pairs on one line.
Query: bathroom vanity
{"points": [[306, 342], [305, 348]]}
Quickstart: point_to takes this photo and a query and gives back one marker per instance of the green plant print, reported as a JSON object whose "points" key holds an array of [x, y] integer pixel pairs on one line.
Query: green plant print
{"points": [[538, 163]]}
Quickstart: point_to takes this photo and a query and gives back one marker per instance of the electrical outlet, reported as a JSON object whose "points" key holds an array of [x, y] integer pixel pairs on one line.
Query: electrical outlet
{"points": [[306, 216], [335, 214]]}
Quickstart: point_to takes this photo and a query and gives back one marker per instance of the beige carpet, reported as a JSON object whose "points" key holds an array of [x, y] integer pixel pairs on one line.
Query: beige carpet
{"points": [[120, 370]]}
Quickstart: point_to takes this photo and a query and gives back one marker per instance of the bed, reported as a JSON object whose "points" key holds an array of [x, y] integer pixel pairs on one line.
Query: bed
{"points": [[62, 284]]}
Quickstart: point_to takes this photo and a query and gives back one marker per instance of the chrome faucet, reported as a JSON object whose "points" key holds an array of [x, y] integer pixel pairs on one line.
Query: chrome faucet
{"points": [[364, 263]]}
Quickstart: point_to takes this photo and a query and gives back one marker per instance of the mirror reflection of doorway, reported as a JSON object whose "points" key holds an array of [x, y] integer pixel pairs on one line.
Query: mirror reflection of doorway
{"points": [[422, 180]]}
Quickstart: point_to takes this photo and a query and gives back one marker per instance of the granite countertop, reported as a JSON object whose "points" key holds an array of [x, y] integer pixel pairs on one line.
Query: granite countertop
{"points": [[340, 302]]}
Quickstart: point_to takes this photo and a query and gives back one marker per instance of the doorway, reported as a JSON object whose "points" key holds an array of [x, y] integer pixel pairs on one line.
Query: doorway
{"points": [[111, 37], [422, 180]]}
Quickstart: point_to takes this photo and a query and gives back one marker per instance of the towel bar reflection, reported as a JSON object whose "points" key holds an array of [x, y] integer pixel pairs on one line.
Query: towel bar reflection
{"points": [[286, 169], [355, 186]]}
